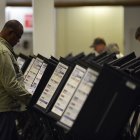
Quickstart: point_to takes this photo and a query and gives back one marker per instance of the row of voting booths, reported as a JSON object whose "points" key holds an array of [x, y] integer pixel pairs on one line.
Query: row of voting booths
{"points": [[81, 97]]}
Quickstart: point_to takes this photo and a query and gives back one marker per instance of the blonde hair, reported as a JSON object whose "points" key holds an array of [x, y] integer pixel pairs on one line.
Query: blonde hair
{"points": [[113, 48]]}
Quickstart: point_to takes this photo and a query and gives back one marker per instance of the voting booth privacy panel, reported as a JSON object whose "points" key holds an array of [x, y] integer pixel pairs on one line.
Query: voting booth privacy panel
{"points": [[87, 96], [113, 105]]}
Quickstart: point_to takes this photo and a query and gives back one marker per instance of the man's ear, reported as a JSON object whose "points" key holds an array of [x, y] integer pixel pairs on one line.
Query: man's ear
{"points": [[9, 34], [10, 31]]}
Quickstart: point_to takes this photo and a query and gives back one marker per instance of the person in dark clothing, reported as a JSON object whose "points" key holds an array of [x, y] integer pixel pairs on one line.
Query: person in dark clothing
{"points": [[13, 95], [137, 34]]}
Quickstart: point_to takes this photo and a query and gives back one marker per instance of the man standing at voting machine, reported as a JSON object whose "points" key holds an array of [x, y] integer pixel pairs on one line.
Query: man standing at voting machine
{"points": [[13, 94], [98, 45]]}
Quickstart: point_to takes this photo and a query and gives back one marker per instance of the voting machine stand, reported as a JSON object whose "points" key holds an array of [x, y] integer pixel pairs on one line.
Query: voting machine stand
{"points": [[35, 128], [108, 107], [54, 115], [62, 72], [76, 58], [54, 71], [87, 132], [58, 72], [89, 100]]}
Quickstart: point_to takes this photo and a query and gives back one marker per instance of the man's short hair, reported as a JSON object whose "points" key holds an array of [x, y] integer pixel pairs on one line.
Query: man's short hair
{"points": [[98, 41], [137, 34]]}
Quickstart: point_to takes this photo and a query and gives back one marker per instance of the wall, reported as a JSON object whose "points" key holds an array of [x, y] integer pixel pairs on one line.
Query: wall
{"points": [[24, 15], [77, 27], [131, 22], [44, 27], [2, 13]]}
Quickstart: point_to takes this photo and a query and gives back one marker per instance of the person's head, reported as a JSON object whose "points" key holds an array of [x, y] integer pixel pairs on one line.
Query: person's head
{"points": [[113, 48], [137, 34], [99, 45], [12, 32]]}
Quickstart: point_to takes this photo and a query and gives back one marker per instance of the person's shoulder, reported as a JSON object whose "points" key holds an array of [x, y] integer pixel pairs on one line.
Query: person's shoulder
{"points": [[3, 49]]}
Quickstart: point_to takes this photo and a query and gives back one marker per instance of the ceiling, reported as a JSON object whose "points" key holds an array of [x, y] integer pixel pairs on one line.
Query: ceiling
{"points": [[70, 3]]}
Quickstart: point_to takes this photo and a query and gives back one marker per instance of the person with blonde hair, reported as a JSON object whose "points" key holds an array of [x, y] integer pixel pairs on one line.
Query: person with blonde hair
{"points": [[114, 48]]}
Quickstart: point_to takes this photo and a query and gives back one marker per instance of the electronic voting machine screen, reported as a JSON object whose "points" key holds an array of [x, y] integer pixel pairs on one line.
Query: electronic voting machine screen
{"points": [[38, 77], [21, 60], [60, 73], [33, 71], [28, 68], [76, 103], [41, 80]]}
